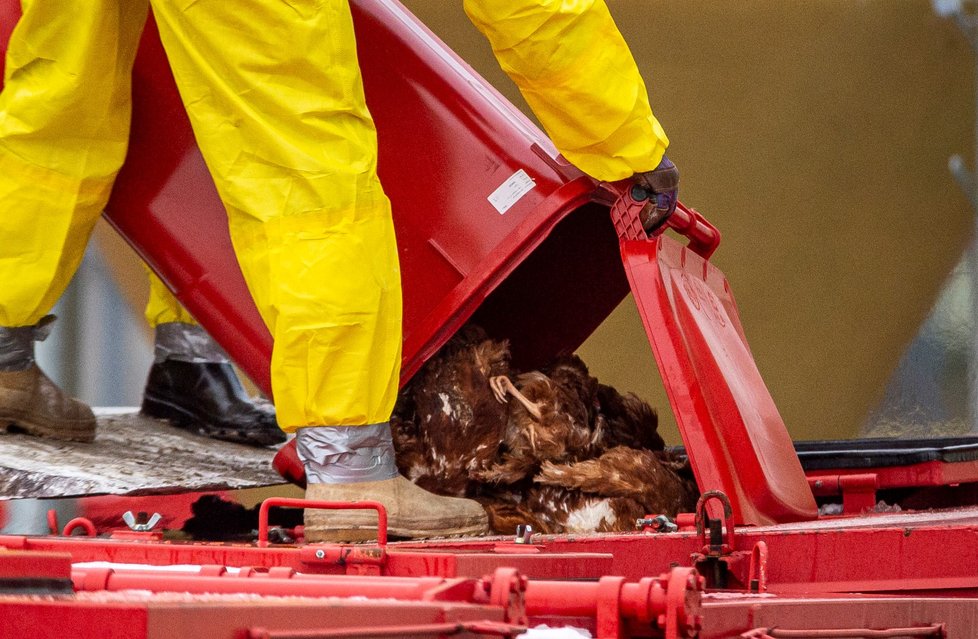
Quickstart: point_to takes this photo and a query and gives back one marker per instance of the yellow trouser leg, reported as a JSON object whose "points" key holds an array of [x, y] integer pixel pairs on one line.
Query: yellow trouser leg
{"points": [[64, 123], [162, 306], [576, 72], [276, 101]]}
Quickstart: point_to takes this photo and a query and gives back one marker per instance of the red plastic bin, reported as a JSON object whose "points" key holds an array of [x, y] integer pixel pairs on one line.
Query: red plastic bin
{"points": [[448, 140], [543, 274]]}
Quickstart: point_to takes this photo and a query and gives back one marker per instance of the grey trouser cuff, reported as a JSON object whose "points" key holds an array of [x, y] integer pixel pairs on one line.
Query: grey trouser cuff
{"points": [[17, 344], [346, 454], [186, 343]]}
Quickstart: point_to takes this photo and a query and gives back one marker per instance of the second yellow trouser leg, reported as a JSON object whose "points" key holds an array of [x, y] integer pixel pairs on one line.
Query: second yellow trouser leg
{"points": [[276, 101], [162, 306], [64, 124], [573, 67]]}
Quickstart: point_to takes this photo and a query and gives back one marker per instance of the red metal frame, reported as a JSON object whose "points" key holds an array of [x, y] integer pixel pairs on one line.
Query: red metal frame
{"points": [[665, 606], [931, 473], [886, 553], [906, 555], [105, 511]]}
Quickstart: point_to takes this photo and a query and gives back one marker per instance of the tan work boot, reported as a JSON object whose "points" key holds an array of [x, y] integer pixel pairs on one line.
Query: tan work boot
{"points": [[31, 402], [411, 512]]}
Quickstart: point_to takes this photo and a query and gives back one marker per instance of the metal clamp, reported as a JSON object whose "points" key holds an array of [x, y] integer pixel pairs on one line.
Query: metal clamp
{"points": [[656, 523], [142, 524], [721, 539], [506, 588], [716, 560], [523, 534]]}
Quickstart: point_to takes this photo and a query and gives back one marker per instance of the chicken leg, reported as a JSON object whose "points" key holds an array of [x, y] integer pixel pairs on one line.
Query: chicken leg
{"points": [[502, 386]]}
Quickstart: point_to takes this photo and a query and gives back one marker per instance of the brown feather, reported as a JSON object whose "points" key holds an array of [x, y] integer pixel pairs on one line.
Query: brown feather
{"points": [[625, 472], [564, 393], [458, 422], [626, 420]]}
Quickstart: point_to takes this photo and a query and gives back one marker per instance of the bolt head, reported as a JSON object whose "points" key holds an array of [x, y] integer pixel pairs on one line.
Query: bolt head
{"points": [[320, 554]]}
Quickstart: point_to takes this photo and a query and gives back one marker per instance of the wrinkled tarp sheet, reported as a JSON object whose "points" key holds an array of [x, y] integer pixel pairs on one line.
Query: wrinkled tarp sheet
{"points": [[131, 455]]}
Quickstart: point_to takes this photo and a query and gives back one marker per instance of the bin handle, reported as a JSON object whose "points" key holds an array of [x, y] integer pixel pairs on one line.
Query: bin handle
{"points": [[287, 502], [704, 238]]}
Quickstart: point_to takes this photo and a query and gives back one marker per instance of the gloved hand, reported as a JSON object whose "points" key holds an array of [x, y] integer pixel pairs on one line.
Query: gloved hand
{"points": [[662, 183]]}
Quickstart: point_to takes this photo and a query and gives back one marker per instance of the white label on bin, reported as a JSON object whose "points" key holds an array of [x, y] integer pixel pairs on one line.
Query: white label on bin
{"points": [[510, 191]]}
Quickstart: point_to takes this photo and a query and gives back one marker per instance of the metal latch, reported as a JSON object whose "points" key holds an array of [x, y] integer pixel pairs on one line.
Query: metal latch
{"points": [[656, 523], [143, 524]]}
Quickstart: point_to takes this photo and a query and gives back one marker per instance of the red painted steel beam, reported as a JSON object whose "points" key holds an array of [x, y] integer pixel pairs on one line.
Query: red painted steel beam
{"points": [[670, 601], [932, 473], [402, 588], [142, 616], [27, 618], [34, 565], [727, 615], [35, 573], [892, 552], [934, 630], [476, 560], [490, 628]]}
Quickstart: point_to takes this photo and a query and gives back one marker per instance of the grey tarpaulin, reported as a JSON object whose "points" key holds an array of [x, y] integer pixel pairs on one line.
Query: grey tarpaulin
{"points": [[131, 454]]}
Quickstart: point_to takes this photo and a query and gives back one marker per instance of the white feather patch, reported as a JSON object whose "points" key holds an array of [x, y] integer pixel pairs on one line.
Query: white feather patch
{"points": [[589, 517], [446, 405]]}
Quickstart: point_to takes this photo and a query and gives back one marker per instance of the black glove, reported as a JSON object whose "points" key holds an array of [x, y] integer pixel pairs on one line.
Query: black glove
{"points": [[662, 186]]}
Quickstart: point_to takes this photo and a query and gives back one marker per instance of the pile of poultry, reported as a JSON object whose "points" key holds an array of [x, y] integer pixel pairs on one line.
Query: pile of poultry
{"points": [[553, 449]]}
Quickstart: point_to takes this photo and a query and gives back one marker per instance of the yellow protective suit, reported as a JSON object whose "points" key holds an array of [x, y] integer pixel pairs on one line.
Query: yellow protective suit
{"points": [[573, 67], [163, 306], [274, 94], [276, 102]]}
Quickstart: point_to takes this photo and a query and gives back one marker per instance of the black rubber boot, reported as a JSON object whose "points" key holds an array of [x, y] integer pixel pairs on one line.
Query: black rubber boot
{"points": [[209, 399]]}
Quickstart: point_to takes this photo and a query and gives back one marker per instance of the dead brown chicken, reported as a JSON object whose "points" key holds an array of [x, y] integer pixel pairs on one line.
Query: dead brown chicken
{"points": [[551, 419], [625, 420], [605, 494], [551, 448], [553, 510], [448, 423], [635, 474]]}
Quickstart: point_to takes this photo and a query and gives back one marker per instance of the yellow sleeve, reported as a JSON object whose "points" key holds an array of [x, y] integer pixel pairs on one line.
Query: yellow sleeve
{"points": [[573, 67]]}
